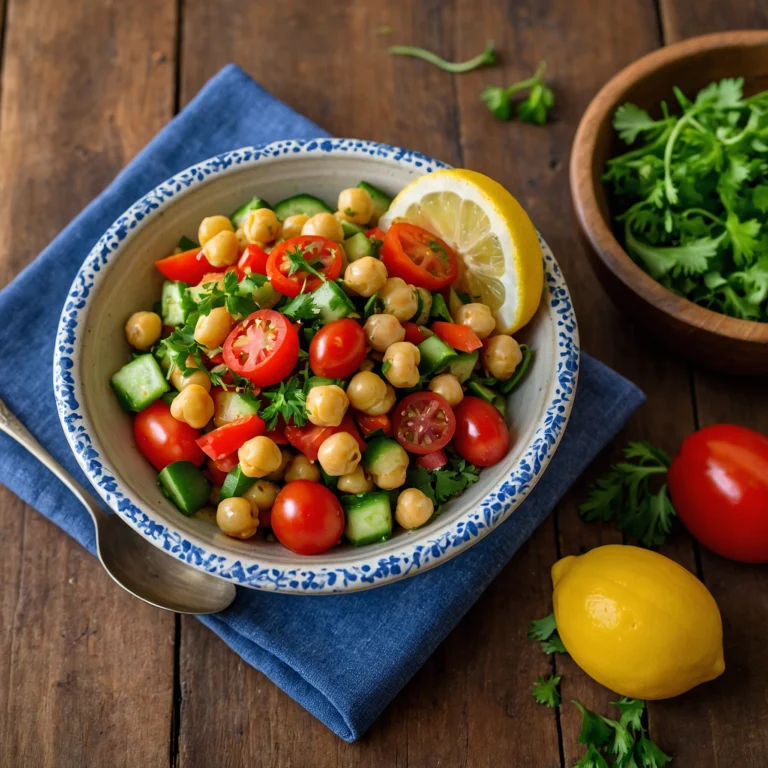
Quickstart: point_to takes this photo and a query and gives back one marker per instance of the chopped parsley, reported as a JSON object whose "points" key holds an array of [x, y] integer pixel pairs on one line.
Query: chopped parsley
{"points": [[442, 485], [297, 258], [286, 399], [533, 109], [545, 691], [301, 307]]}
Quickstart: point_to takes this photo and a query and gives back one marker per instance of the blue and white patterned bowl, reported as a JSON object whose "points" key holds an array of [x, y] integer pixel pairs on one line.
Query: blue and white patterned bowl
{"points": [[118, 278]]}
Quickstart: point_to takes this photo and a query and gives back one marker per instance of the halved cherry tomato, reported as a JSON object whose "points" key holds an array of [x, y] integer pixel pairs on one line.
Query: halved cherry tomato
{"points": [[263, 348], [253, 260], [216, 476], [348, 425], [308, 438], [307, 518], [457, 336], [337, 349], [226, 463], [423, 422], [189, 266], [163, 439], [412, 333], [320, 253], [433, 460], [225, 440], [482, 436], [418, 257], [368, 423]]}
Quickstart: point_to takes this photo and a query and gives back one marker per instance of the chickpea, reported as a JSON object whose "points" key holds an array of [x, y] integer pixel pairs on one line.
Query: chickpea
{"points": [[211, 226], [367, 364], [399, 299], [387, 481], [143, 329], [279, 473], [222, 250], [235, 518], [242, 240], [293, 225], [339, 454], [403, 358], [324, 225], [383, 330], [385, 405], [193, 405], [262, 226], [326, 405], [259, 456], [366, 390], [355, 205], [301, 468], [358, 481], [413, 509], [261, 496], [212, 329], [199, 377], [501, 355], [365, 276], [478, 317], [447, 385]]}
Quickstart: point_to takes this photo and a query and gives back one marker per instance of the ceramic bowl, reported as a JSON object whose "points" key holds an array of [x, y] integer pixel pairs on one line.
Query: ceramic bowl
{"points": [[118, 278]]}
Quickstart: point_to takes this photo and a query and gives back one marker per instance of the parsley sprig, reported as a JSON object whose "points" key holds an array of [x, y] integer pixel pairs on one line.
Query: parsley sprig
{"points": [[456, 67], [544, 631], [534, 108], [297, 257], [287, 399], [442, 485], [545, 691]]}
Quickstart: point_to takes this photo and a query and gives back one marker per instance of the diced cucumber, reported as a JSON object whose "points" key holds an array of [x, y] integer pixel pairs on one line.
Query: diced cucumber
{"points": [[358, 246], [435, 356], [501, 403], [478, 388], [349, 229], [384, 455], [381, 200], [439, 309], [309, 205], [238, 217], [175, 303], [328, 480], [427, 333], [321, 381], [507, 386], [424, 306], [236, 483], [230, 406], [258, 288], [186, 244], [454, 303], [185, 485], [369, 518], [139, 383], [464, 364], [332, 302]]}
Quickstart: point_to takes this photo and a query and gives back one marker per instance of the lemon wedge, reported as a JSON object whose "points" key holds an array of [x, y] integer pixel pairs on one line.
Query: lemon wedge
{"points": [[500, 258]]}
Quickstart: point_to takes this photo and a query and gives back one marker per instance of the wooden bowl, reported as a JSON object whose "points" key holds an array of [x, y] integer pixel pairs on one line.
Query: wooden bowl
{"points": [[709, 338]]}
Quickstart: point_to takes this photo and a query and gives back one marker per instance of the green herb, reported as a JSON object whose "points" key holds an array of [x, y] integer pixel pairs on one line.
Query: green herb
{"points": [[545, 632], [441, 485], [625, 494], [438, 249], [464, 296], [385, 366], [373, 306], [533, 109], [186, 244], [298, 260], [439, 310], [511, 383], [591, 759], [286, 399], [486, 57], [690, 200], [301, 307], [545, 691]]}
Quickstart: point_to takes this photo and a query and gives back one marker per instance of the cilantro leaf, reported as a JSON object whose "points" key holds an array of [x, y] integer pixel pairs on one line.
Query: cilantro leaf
{"points": [[301, 307], [631, 713], [286, 399], [542, 629], [592, 759], [553, 645], [649, 755], [594, 729], [630, 121], [297, 258], [533, 109], [385, 366], [545, 691]]}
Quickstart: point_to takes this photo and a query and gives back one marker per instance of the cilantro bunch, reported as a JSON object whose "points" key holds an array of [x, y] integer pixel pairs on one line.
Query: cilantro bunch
{"points": [[691, 201]]}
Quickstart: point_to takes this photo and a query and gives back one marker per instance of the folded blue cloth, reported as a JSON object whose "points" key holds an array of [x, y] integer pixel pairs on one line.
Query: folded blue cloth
{"points": [[289, 638]]}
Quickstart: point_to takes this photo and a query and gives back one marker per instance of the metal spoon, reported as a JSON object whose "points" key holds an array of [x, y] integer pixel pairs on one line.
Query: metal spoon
{"points": [[138, 566]]}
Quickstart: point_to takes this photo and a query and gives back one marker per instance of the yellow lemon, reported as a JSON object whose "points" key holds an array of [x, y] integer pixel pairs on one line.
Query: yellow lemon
{"points": [[500, 258], [637, 622]]}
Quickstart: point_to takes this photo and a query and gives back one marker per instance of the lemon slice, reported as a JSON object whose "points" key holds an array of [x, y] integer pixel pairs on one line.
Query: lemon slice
{"points": [[500, 258]]}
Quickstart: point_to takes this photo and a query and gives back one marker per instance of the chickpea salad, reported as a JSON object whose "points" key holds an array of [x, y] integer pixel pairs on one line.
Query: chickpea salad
{"points": [[309, 376]]}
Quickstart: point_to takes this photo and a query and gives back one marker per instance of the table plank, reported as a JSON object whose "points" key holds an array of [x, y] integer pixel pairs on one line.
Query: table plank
{"points": [[84, 86]]}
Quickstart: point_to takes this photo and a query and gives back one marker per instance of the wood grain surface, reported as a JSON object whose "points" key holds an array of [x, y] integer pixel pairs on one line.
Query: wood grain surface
{"points": [[89, 677]]}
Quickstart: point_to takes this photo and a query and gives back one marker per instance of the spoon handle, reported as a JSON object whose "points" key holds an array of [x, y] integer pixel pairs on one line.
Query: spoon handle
{"points": [[15, 429]]}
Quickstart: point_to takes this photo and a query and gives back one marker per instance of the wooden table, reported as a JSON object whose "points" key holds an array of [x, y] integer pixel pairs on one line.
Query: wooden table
{"points": [[90, 677]]}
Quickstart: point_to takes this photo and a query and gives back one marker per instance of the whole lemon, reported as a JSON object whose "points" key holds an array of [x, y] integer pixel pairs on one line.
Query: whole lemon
{"points": [[637, 622]]}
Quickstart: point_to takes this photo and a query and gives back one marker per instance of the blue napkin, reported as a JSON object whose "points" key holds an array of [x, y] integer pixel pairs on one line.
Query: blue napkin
{"points": [[387, 633]]}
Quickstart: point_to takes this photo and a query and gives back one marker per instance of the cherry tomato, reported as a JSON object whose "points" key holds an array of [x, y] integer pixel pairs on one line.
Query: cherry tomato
{"points": [[457, 336], [418, 257], [308, 438], [227, 463], [337, 349], [265, 518], [433, 460], [368, 423], [226, 440], [263, 348], [482, 436], [719, 489], [348, 425], [320, 253], [374, 233], [189, 266], [163, 439], [412, 333], [423, 422], [253, 260], [215, 475], [307, 518]]}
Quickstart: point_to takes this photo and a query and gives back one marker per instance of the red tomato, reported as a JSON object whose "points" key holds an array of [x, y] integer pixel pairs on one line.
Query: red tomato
{"points": [[337, 349], [308, 438], [307, 518], [189, 267], [374, 233], [418, 257], [320, 253], [217, 277], [368, 423], [457, 336], [423, 422], [225, 464], [253, 260], [225, 440], [348, 425], [163, 439], [482, 436], [719, 488], [412, 333], [265, 518], [277, 436], [433, 460], [263, 348], [217, 476]]}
